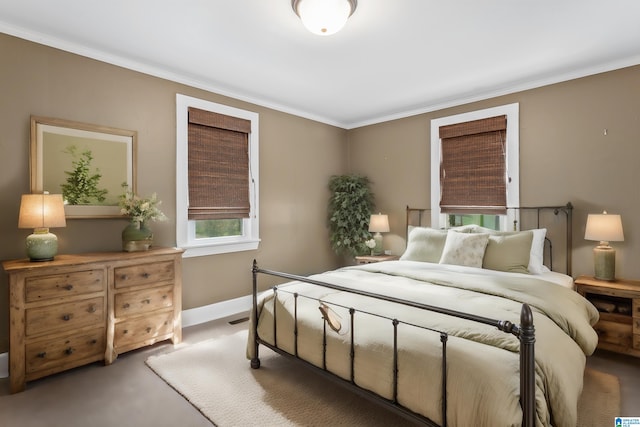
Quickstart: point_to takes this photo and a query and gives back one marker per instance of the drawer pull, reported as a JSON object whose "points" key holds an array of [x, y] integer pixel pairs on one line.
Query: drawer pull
{"points": [[164, 296], [146, 301], [66, 317], [93, 341], [148, 329], [126, 331], [125, 305], [69, 351], [145, 275], [68, 287], [123, 277], [92, 308], [42, 354]]}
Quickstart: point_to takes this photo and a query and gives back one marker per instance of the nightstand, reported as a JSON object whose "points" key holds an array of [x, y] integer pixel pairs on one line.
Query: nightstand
{"points": [[618, 302], [368, 259]]}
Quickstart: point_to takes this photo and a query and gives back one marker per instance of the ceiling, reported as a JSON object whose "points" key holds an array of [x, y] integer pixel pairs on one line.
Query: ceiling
{"points": [[394, 58]]}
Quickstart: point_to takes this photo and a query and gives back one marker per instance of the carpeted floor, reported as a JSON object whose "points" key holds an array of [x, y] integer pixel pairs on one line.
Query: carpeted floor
{"points": [[221, 385]]}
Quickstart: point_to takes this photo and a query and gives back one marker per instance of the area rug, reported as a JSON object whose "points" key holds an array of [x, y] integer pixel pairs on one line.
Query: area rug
{"points": [[215, 377]]}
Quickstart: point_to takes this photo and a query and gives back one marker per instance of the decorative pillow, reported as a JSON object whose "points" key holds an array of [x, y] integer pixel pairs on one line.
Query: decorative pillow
{"points": [[424, 244], [464, 249], [536, 256], [508, 252]]}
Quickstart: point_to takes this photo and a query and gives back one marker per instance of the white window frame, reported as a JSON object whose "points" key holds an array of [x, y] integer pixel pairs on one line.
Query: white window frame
{"points": [[185, 228], [512, 111]]}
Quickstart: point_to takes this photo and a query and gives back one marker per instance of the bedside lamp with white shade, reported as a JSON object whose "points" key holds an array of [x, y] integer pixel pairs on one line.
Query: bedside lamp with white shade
{"points": [[41, 212], [604, 228], [378, 224]]}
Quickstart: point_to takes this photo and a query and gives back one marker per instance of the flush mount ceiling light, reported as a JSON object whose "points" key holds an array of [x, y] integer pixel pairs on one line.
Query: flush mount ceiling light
{"points": [[324, 17]]}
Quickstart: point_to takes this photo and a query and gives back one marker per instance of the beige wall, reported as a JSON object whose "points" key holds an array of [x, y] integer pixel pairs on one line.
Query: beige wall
{"points": [[297, 157], [564, 156]]}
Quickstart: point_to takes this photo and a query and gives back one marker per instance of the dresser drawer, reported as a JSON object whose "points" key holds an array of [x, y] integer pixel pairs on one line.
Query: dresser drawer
{"points": [[636, 325], [65, 316], [143, 301], [63, 285], [142, 274], [143, 329], [614, 333], [636, 307], [636, 341], [67, 350]]}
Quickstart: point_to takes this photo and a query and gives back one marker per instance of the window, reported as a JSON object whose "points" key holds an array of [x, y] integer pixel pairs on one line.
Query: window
{"points": [[474, 168], [217, 178]]}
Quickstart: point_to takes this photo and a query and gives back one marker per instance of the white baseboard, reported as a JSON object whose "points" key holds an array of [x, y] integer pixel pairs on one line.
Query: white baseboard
{"points": [[207, 313], [191, 317], [4, 365]]}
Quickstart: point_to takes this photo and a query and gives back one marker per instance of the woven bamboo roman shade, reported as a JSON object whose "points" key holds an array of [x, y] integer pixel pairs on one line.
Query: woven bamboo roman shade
{"points": [[218, 166], [473, 167]]}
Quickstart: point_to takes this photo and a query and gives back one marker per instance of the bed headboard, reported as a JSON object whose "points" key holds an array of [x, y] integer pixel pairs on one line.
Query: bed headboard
{"points": [[558, 220]]}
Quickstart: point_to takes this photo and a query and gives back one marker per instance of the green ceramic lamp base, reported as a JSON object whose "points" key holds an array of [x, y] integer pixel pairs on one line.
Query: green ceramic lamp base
{"points": [[42, 245], [604, 262]]}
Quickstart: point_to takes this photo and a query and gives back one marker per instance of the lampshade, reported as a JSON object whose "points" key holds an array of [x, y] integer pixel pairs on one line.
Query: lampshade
{"points": [[604, 228], [41, 212], [379, 223], [324, 17]]}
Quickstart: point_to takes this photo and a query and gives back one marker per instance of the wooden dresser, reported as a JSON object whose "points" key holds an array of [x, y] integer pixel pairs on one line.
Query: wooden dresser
{"points": [[79, 309]]}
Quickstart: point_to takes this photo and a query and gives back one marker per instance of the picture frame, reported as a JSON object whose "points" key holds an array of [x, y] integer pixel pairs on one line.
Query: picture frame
{"points": [[88, 164]]}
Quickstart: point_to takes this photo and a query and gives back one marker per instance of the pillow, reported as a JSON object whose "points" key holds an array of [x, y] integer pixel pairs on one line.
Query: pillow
{"points": [[508, 252], [425, 244], [464, 249], [536, 256]]}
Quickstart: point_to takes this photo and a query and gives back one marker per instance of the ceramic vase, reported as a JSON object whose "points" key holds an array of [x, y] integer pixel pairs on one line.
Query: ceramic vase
{"points": [[136, 236]]}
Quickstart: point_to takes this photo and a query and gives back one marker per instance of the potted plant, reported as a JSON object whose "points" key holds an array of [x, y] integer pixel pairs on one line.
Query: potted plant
{"points": [[349, 211], [137, 236]]}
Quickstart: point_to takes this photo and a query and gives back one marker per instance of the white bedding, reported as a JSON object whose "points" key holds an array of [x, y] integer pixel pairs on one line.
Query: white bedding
{"points": [[546, 275], [481, 358]]}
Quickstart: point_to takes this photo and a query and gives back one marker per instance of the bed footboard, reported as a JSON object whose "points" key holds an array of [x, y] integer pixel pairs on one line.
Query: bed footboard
{"points": [[525, 332]]}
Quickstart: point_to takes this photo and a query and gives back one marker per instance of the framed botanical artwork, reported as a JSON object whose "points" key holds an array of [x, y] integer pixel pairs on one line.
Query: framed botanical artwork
{"points": [[88, 164]]}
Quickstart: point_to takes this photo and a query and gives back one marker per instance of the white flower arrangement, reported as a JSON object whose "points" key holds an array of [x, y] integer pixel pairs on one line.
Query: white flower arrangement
{"points": [[140, 209], [371, 243]]}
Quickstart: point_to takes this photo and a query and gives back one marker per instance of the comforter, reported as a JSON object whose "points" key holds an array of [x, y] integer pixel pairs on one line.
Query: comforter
{"points": [[482, 362]]}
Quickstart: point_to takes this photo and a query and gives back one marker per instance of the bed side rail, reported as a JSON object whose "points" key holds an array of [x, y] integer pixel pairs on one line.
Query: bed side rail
{"points": [[525, 332]]}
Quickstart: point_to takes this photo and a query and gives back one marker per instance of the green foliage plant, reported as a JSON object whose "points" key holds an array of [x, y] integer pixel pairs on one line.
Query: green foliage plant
{"points": [[81, 187], [350, 206]]}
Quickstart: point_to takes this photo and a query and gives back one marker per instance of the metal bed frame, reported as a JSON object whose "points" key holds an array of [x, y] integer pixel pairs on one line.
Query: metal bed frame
{"points": [[525, 332]]}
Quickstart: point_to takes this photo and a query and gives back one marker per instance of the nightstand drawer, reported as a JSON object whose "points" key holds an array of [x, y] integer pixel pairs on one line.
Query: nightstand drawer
{"points": [[636, 325], [65, 316], [614, 333], [144, 274], [143, 329], [636, 307], [143, 301], [63, 285], [67, 350], [636, 342]]}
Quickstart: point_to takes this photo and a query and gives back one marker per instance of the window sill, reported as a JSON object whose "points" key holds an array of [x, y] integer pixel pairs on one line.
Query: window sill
{"points": [[204, 250]]}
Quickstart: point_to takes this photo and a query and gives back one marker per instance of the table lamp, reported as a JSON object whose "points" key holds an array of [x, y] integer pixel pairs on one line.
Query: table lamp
{"points": [[41, 212], [378, 224], [604, 228]]}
